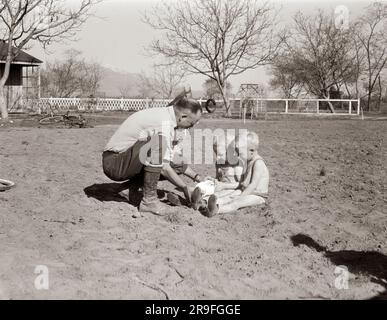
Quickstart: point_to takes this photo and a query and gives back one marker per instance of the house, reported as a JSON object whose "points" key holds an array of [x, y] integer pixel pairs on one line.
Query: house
{"points": [[24, 78]]}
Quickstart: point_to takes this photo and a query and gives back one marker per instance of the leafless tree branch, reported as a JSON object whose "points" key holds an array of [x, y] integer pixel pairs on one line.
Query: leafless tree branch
{"points": [[215, 38], [45, 21]]}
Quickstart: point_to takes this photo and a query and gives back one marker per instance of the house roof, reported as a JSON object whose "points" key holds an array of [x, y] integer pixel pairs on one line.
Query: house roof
{"points": [[22, 58]]}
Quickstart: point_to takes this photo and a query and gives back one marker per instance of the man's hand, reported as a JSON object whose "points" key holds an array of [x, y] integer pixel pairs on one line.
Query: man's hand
{"points": [[197, 178], [174, 178]]}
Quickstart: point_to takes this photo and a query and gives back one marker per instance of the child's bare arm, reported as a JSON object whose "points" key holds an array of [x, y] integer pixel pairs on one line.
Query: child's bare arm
{"points": [[258, 169]]}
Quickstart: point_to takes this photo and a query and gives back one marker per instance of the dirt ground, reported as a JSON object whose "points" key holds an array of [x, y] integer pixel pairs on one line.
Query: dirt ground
{"points": [[327, 209]]}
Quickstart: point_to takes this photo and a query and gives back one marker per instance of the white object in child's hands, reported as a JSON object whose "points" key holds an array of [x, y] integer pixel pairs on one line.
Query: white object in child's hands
{"points": [[207, 187]]}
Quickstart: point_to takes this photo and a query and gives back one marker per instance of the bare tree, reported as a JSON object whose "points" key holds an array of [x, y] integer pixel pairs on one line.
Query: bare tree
{"points": [[125, 88], [318, 55], [144, 87], [165, 81], [215, 38], [358, 55], [285, 78], [371, 39], [59, 78], [211, 89], [71, 77], [43, 21], [92, 76]]}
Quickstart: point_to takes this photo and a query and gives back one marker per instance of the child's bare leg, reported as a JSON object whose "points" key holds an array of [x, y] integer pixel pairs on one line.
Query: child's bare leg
{"points": [[240, 202], [224, 193], [227, 196], [219, 194]]}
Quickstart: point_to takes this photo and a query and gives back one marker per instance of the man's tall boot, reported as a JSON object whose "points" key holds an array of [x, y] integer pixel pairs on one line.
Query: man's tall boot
{"points": [[150, 202]]}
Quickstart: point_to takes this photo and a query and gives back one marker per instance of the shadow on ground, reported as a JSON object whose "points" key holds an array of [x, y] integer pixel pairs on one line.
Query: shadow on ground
{"points": [[115, 192], [128, 191], [370, 263]]}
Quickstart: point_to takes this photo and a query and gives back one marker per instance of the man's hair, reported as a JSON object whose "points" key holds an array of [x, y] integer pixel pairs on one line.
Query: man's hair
{"points": [[188, 104]]}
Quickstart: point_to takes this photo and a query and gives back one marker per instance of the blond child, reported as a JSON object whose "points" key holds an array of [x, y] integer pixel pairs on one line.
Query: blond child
{"points": [[228, 166], [252, 190]]}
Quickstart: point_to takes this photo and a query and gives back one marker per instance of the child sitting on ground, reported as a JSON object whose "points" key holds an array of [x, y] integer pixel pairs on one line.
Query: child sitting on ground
{"points": [[228, 166], [251, 191]]}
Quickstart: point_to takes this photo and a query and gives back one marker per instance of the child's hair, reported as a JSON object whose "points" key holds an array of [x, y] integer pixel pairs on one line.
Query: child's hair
{"points": [[253, 140], [221, 143], [249, 139], [227, 162]]}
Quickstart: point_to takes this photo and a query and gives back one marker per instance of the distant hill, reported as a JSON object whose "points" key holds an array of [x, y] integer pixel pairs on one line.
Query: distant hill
{"points": [[113, 83], [116, 83]]}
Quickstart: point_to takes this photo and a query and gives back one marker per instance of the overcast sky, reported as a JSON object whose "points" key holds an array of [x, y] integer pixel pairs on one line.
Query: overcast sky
{"points": [[118, 38]]}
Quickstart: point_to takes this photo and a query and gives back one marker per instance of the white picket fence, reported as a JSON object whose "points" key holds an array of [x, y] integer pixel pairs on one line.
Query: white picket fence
{"points": [[93, 104], [97, 104], [254, 106]]}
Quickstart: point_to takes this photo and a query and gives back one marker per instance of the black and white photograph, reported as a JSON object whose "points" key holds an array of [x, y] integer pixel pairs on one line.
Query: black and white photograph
{"points": [[197, 150]]}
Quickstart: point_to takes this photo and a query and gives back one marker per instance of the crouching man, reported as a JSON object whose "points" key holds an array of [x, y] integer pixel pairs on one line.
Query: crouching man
{"points": [[144, 144]]}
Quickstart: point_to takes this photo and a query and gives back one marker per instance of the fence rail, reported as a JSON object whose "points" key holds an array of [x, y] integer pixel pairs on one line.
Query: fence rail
{"points": [[97, 104], [93, 104], [254, 106]]}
